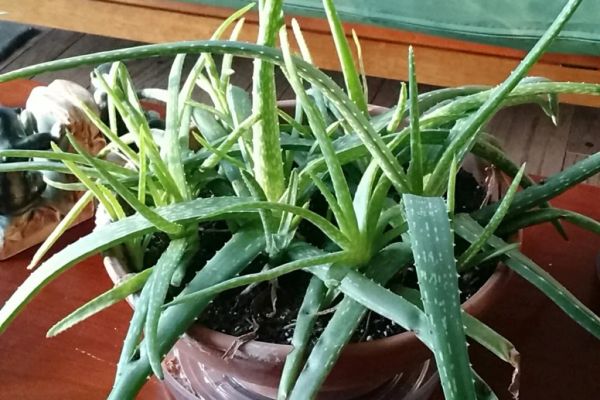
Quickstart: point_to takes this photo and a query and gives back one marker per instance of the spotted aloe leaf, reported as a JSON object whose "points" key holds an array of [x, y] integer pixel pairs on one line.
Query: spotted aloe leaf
{"points": [[345, 320], [469, 229], [267, 158], [432, 243]]}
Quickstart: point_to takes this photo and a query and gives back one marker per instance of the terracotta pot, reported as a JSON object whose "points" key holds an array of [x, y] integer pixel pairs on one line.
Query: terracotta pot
{"points": [[397, 367], [399, 364]]}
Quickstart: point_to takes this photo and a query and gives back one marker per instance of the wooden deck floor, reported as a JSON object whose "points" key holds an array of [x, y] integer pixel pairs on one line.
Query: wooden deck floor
{"points": [[525, 132]]}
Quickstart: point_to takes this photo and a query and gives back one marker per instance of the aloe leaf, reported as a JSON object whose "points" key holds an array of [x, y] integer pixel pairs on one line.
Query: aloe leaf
{"points": [[469, 129], [202, 209], [495, 221], [535, 217], [399, 110], [267, 158], [163, 271], [451, 191], [331, 200], [286, 223], [366, 132], [61, 156], [415, 170], [160, 222], [319, 129], [224, 118], [109, 133], [350, 73], [136, 325], [362, 198], [120, 291], [469, 229], [537, 195], [63, 225], [305, 52], [523, 93], [143, 171], [230, 140], [137, 124], [230, 260], [51, 166], [482, 334], [266, 216], [217, 154], [114, 233], [338, 257], [497, 345], [190, 81], [315, 295], [489, 152], [432, 243], [348, 315], [361, 65], [227, 61], [172, 148], [427, 102], [104, 196], [490, 254]]}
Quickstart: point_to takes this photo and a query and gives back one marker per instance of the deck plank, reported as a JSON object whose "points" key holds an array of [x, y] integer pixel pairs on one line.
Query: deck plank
{"points": [[584, 137], [48, 45]]}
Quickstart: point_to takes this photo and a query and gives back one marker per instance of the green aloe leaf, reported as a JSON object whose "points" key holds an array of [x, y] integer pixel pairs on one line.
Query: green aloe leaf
{"points": [[229, 261], [469, 229], [537, 195], [432, 243], [160, 222], [135, 226], [120, 291], [486, 150], [315, 296], [484, 335], [342, 191], [458, 146], [164, 269], [494, 223], [267, 157], [339, 257], [536, 217], [415, 170], [399, 110], [61, 228], [172, 148], [351, 76], [190, 81], [346, 318]]}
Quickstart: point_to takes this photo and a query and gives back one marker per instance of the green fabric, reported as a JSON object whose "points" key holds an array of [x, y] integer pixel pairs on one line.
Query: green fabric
{"points": [[509, 23]]}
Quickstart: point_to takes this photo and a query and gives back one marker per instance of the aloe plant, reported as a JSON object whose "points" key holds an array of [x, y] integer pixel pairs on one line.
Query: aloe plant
{"points": [[260, 170]]}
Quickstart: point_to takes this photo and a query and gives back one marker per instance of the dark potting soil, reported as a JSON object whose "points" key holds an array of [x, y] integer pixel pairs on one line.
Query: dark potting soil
{"points": [[269, 310]]}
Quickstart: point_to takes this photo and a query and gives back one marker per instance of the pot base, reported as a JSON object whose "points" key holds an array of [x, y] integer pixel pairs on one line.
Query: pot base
{"points": [[209, 384]]}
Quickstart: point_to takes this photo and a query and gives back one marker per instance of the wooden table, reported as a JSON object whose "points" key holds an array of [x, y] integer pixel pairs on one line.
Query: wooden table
{"points": [[559, 359]]}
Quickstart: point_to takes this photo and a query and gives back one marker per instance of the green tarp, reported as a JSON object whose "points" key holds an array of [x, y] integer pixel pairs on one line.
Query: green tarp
{"points": [[510, 23]]}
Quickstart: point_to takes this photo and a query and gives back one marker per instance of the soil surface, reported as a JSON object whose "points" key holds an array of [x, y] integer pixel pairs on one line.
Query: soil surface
{"points": [[268, 311]]}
